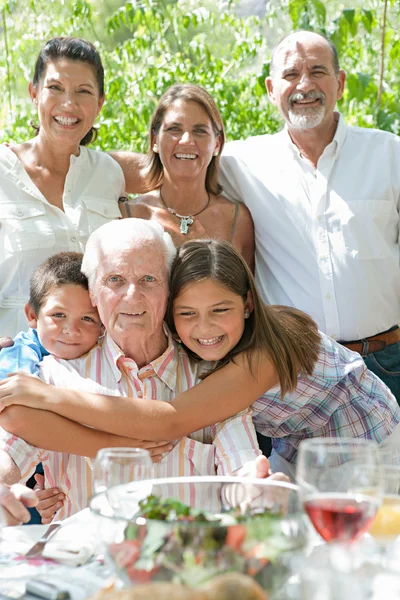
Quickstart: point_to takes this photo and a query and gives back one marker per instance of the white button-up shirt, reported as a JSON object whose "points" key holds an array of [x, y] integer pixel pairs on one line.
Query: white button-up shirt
{"points": [[327, 239], [32, 229]]}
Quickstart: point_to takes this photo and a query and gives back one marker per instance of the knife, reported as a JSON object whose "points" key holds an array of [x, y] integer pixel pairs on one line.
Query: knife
{"points": [[38, 548]]}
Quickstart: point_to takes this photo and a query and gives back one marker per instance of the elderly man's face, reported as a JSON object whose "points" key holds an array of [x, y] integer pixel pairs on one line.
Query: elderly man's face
{"points": [[304, 85], [131, 291]]}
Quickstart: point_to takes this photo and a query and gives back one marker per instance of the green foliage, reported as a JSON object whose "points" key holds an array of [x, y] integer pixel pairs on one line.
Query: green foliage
{"points": [[148, 45]]}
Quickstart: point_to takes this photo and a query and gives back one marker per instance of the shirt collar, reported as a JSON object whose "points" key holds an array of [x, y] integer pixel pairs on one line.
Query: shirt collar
{"points": [[338, 138], [165, 366]]}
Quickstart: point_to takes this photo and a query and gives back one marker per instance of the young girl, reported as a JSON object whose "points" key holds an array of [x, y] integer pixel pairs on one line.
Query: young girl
{"points": [[216, 311], [299, 382]]}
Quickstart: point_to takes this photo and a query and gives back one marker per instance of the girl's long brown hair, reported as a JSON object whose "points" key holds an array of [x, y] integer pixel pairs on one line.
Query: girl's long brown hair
{"points": [[289, 336]]}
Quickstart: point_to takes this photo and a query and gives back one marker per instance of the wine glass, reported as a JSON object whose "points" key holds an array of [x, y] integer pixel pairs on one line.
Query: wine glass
{"points": [[113, 466], [340, 483]]}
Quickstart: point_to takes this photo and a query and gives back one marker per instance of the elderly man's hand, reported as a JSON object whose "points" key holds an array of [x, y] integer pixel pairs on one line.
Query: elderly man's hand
{"points": [[6, 342], [13, 500], [24, 389]]}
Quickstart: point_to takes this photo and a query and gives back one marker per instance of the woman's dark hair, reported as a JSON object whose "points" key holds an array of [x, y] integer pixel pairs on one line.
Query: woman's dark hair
{"points": [[60, 269], [189, 93], [72, 49], [287, 335]]}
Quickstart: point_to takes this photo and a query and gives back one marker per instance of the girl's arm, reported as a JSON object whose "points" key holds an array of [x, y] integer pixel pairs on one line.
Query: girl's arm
{"points": [[48, 430], [220, 396]]}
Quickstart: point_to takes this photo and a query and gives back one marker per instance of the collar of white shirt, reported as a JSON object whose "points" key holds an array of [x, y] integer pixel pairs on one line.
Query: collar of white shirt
{"points": [[337, 142]]}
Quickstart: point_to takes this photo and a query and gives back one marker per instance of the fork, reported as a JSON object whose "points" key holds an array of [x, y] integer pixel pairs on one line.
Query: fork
{"points": [[38, 547]]}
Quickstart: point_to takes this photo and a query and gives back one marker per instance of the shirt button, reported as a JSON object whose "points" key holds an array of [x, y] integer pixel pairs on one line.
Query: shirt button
{"points": [[140, 394], [20, 213], [73, 238], [328, 297], [106, 211]]}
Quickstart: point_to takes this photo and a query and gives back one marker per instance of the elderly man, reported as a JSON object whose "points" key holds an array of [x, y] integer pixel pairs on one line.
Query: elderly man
{"points": [[127, 263], [324, 198]]}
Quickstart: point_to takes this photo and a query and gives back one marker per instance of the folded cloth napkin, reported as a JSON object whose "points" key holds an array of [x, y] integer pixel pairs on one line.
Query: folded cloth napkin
{"points": [[73, 544]]}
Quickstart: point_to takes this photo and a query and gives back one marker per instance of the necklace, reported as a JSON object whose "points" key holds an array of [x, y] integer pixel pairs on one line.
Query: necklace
{"points": [[186, 220]]}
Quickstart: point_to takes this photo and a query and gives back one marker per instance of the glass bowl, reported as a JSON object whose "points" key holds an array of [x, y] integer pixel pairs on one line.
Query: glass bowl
{"points": [[242, 525]]}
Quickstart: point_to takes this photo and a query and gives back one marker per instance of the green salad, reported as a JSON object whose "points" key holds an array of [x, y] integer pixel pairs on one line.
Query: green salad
{"points": [[170, 541]]}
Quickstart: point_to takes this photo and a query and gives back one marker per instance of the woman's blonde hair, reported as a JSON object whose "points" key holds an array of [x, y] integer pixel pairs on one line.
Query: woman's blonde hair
{"points": [[189, 93], [289, 336]]}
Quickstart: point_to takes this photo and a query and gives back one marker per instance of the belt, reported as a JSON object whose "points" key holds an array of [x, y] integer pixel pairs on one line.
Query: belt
{"points": [[375, 343]]}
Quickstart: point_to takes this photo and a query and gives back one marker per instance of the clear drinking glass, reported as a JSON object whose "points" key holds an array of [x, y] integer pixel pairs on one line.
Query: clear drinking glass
{"points": [[340, 485], [113, 466]]}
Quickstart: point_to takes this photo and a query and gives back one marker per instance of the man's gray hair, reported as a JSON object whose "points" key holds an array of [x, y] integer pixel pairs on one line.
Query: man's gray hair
{"points": [[123, 234]]}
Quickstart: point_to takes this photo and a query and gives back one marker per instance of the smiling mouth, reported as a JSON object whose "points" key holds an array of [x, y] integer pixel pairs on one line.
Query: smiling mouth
{"points": [[66, 121], [182, 156], [68, 343], [210, 341], [126, 314]]}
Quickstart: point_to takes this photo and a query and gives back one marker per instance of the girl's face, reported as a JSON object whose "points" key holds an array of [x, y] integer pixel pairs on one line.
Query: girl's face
{"points": [[209, 318]]}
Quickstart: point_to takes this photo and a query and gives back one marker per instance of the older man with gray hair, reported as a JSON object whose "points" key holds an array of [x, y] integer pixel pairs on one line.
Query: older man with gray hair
{"points": [[127, 263], [325, 201]]}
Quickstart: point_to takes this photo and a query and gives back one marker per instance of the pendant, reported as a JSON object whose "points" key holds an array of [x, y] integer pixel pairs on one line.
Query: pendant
{"points": [[185, 222]]}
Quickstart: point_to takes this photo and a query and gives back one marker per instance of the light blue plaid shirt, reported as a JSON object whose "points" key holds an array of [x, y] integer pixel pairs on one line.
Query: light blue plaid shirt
{"points": [[25, 355], [341, 398]]}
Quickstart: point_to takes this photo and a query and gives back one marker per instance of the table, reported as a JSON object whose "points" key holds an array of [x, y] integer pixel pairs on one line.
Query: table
{"points": [[80, 581]]}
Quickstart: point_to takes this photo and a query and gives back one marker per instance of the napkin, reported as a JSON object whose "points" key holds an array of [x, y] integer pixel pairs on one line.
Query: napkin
{"points": [[73, 544]]}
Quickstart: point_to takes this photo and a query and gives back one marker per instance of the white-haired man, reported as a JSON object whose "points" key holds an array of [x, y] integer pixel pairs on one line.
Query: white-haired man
{"points": [[325, 201], [127, 263]]}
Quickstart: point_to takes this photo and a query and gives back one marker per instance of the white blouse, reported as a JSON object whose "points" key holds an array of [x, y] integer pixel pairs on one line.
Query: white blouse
{"points": [[32, 229]]}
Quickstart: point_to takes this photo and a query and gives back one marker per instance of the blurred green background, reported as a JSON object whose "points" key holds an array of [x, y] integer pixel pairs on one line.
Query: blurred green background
{"points": [[148, 45]]}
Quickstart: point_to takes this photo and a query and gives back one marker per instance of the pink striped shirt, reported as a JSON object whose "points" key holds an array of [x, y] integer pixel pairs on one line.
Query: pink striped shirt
{"points": [[217, 450]]}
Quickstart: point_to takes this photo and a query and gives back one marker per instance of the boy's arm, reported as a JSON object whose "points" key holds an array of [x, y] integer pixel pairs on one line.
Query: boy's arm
{"points": [[236, 443], [24, 355]]}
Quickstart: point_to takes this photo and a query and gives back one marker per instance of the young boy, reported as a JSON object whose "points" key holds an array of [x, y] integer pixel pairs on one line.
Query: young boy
{"points": [[60, 315], [61, 318]]}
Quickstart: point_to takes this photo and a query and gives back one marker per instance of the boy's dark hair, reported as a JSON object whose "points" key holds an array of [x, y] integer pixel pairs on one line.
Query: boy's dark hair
{"points": [[289, 336], [60, 269]]}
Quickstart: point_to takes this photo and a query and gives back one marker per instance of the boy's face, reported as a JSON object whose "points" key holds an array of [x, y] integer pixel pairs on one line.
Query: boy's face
{"points": [[68, 325]]}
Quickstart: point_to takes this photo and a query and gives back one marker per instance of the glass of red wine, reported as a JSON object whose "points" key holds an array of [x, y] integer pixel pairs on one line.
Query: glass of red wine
{"points": [[340, 484]]}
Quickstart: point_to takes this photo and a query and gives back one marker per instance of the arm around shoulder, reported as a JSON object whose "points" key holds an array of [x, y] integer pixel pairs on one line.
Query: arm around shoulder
{"points": [[133, 167]]}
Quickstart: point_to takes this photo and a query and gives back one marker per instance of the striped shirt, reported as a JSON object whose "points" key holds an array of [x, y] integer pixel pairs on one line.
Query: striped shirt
{"points": [[217, 450], [341, 398]]}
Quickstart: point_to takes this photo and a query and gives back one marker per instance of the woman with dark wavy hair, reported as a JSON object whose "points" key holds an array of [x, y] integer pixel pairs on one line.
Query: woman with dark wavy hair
{"points": [[185, 143], [54, 191]]}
